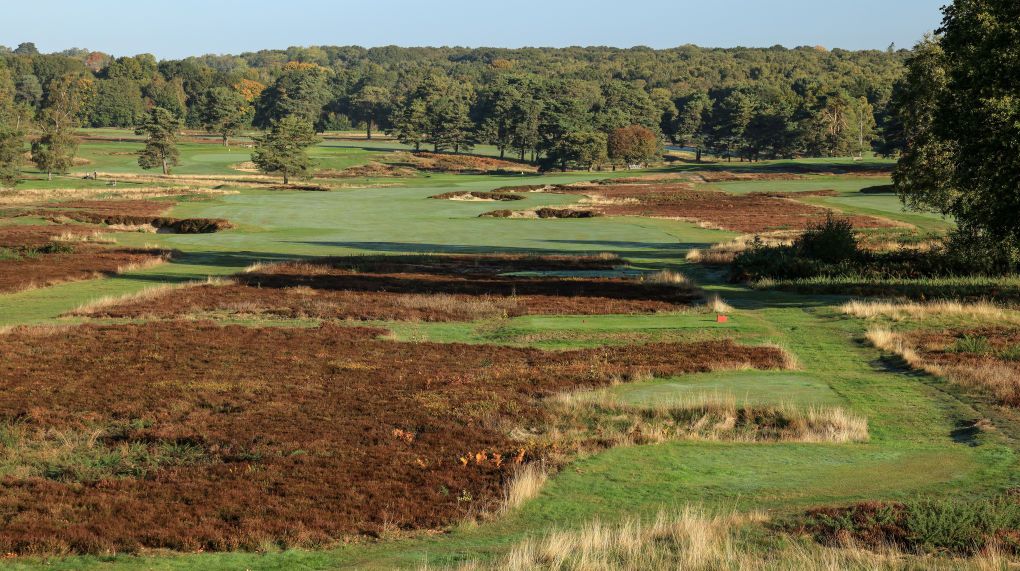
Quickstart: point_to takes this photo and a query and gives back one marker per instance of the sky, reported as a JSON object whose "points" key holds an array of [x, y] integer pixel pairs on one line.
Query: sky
{"points": [[181, 28]]}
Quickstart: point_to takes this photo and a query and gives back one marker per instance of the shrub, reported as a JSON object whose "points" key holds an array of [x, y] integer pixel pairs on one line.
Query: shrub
{"points": [[832, 241], [972, 344], [56, 248], [931, 526]]}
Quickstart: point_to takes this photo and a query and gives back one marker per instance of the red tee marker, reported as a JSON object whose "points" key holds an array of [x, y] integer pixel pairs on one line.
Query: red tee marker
{"points": [[721, 319]]}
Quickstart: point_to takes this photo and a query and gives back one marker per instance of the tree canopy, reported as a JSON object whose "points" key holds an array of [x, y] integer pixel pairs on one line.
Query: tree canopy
{"points": [[740, 103], [958, 111]]}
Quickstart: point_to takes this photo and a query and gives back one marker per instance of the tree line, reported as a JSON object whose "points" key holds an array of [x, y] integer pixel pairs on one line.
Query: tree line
{"points": [[559, 107]]}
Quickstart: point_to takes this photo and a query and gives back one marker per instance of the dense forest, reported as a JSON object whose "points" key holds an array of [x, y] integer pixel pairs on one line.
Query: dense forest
{"points": [[556, 106]]}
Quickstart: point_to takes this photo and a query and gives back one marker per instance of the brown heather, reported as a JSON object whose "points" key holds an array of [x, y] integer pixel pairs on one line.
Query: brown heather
{"points": [[225, 438]]}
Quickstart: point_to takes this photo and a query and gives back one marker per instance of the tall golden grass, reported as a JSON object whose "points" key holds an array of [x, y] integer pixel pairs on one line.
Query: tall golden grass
{"points": [[98, 305], [999, 379], [715, 304], [95, 237], [723, 253], [589, 420], [667, 277], [525, 484], [480, 307], [693, 539], [32, 195], [917, 310]]}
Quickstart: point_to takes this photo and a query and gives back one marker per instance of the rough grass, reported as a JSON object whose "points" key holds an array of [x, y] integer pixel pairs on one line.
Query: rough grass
{"points": [[694, 539], [962, 527], [722, 254], [989, 373], [901, 310], [969, 288], [524, 483], [715, 304], [98, 306], [591, 420]]}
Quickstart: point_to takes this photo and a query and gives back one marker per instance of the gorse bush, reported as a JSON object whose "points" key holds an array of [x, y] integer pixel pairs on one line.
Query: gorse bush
{"points": [[832, 241], [929, 526]]}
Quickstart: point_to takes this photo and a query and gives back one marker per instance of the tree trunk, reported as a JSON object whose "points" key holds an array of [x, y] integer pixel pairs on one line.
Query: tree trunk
{"points": [[699, 154], [369, 130], [286, 179], [502, 153], [226, 140], [166, 169], [49, 175]]}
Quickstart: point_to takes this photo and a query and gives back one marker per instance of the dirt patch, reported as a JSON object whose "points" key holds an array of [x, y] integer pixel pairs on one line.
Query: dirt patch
{"points": [[524, 188], [481, 196], [749, 213], [370, 170], [309, 187], [544, 212], [306, 435], [454, 163], [82, 262], [414, 291]]}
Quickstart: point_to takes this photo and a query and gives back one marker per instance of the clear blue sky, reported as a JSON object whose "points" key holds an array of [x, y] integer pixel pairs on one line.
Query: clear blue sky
{"points": [[178, 28]]}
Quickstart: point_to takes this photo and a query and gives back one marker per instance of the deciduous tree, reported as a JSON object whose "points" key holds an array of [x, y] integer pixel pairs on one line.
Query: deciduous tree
{"points": [[961, 154], [632, 145], [224, 112]]}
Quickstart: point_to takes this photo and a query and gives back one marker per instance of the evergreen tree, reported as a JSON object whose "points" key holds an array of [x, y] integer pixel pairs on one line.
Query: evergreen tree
{"points": [[409, 123], [160, 128], [371, 104], [284, 148]]}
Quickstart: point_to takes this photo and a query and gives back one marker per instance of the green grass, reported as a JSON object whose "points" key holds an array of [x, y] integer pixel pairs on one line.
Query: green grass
{"points": [[749, 387], [911, 417]]}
